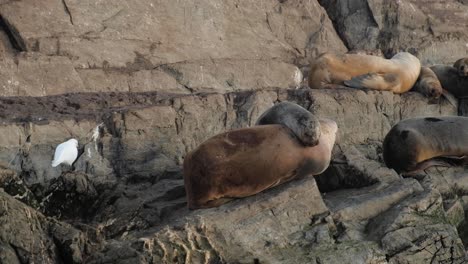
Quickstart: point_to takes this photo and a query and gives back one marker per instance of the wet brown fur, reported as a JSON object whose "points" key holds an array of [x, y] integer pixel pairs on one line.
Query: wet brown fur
{"points": [[246, 161]]}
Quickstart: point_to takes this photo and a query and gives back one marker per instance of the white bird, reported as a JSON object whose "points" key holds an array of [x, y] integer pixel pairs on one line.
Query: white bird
{"points": [[66, 153]]}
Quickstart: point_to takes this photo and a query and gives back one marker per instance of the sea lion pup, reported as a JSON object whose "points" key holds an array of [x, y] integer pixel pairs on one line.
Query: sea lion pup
{"points": [[302, 123], [451, 80], [246, 161], [428, 84], [462, 67], [417, 143], [397, 74]]}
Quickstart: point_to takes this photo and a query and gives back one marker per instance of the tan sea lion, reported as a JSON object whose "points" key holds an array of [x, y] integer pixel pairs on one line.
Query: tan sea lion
{"points": [[417, 143], [462, 67], [451, 80], [428, 84], [397, 74], [302, 123], [246, 161]]}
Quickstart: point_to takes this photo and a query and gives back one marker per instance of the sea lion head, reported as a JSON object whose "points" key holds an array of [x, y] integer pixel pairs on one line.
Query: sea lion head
{"points": [[432, 89], [429, 85], [400, 148], [302, 123], [462, 67]]}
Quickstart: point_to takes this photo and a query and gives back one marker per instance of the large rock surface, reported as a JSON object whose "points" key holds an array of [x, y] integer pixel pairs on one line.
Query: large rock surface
{"points": [[129, 178], [141, 83], [435, 30], [172, 46]]}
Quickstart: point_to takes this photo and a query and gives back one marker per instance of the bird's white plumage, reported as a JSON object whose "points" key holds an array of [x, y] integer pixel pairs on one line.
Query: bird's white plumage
{"points": [[66, 153]]}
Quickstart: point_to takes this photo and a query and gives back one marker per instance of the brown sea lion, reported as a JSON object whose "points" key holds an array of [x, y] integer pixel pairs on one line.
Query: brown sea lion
{"points": [[417, 143], [246, 161], [428, 84], [302, 123], [397, 74], [462, 67], [451, 80]]}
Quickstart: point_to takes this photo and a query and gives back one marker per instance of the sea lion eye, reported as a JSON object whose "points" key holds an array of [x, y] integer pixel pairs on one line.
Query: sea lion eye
{"points": [[462, 67]]}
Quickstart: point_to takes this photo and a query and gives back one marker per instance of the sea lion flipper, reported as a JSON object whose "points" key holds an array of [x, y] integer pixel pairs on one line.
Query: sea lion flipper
{"points": [[443, 161], [454, 160], [372, 80], [452, 100], [358, 81]]}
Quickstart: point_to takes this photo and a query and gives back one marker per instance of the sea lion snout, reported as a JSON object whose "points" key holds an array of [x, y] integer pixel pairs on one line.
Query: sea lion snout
{"points": [[434, 91]]}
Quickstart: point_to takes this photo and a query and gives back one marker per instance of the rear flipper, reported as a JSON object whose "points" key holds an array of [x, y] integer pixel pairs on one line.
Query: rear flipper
{"points": [[374, 81], [443, 161]]}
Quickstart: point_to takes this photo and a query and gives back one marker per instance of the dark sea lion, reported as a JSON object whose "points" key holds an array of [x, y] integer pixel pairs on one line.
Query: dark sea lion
{"points": [[462, 67], [246, 161], [451, 80], [397, 74], [417, 143], [303, 124]]}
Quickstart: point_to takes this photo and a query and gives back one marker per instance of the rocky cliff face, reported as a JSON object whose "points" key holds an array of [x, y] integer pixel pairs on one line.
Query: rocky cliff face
{"points": [[141, 83]]}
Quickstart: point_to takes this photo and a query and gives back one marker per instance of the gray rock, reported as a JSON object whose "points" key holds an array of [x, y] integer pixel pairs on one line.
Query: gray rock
{"points": [[436, 33], [140, 83], [28, 236], [365, 203], [143, 46], [417, 231]]}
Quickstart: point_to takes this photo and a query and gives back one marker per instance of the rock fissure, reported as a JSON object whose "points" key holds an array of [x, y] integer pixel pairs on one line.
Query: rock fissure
{"points": [[18, 256], [16, 41], [67, 10]]}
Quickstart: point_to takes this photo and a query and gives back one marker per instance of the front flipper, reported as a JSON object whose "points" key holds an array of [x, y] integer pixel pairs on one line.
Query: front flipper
{"points": [[374, 81], [450, 97]]}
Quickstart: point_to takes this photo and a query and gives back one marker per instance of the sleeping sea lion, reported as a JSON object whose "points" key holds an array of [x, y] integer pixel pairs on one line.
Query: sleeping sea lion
{"points": [[397, 74], [417, 143], [246, 161]]}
